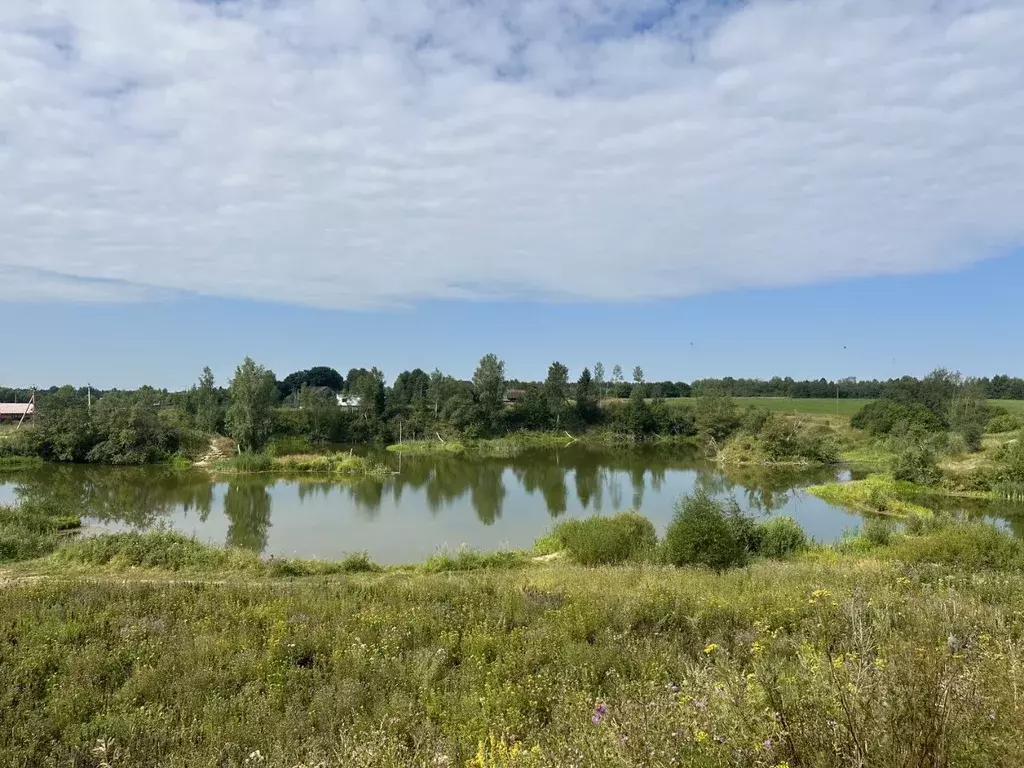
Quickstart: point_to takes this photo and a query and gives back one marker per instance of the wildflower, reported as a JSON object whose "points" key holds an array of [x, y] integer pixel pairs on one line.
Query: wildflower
{"points": [[600, 710], [710, 648], [719, 739], [991, 715], [767, 744], [674, 687], [700, 737], [701, 703]]}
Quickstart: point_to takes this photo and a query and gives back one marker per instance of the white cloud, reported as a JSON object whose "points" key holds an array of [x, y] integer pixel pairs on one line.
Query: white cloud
{"points": [[345, 153]]}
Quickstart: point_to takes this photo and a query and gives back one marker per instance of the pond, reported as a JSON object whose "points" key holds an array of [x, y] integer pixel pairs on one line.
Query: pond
{"points": [[431, 503]]}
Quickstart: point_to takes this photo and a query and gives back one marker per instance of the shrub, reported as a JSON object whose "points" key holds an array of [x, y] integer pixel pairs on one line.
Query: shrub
{"points": [[471, 560], [248, 462], [885, 416], [286, 445], [1005, 422], [916, 464], [877, 532], [158, 549], [781, 537], [707, 532], [967, 545], [607, 540]]}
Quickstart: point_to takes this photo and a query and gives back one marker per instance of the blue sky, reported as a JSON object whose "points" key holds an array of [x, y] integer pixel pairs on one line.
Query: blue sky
{"points": [[889, 326], [417, 182]]}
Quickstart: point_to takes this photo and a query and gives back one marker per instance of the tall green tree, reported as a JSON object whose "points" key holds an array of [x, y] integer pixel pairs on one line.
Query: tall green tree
{"points": [[318, 409], [599, 378], [64, 426], [969, 414], [639, 415], [489, 384], [436, 390], [638, 375], [372, 395], [205, 401], [250, 416], [556, 387], [586, 398]]}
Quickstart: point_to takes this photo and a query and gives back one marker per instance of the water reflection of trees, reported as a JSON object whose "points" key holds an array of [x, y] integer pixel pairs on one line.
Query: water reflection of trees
{"points": [[766, 489], [138, 496], [247, 507], [141, 497]]}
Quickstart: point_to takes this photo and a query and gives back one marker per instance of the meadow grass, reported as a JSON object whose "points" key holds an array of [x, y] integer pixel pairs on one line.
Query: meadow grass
{"points": [[20, 462], [875, 495], [822, 406], [338, 464], [1013, 406], [845, 661], [427, 447], [33, 529]]}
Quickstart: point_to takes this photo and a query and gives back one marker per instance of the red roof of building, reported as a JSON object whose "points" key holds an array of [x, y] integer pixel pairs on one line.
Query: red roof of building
{"points": [[17, 409]]}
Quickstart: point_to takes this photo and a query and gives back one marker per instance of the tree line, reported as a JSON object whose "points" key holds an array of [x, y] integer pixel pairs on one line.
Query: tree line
{"points": [[255, 408], [613, 385]]}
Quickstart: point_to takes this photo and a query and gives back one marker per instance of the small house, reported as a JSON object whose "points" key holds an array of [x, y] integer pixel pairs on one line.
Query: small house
{"points": [[346, 400], [16, 411], [515, 395]]}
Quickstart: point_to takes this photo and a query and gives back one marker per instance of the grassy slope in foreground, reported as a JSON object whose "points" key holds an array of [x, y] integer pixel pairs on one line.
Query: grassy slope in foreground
{"points": [[805, 663]]}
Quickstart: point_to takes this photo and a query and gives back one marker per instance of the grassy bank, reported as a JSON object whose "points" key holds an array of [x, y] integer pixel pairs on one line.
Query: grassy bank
{"points": [[830, 662], [33, 529], [512, 445], [874, 495], [341, 464], [20, 462]]}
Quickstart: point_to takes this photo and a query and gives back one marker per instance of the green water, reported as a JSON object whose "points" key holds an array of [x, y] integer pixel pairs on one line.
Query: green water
{"points": [[430, 504]]}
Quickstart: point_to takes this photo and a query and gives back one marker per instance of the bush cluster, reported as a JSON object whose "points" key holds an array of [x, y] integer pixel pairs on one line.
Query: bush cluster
{"points": [[704, 531], [916, 464], [607, 540]]}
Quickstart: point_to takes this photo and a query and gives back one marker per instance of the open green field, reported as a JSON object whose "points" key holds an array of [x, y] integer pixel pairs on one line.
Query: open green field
{"points": [[1013, 406], [810, 405], [807, 663], [825, 405]]}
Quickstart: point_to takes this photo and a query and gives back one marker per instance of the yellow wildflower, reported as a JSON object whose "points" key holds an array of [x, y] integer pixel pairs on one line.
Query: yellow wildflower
{"points": [[710, 648]]}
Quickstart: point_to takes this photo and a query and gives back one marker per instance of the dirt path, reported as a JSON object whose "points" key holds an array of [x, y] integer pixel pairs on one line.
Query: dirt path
{"points": [[220, 448]]}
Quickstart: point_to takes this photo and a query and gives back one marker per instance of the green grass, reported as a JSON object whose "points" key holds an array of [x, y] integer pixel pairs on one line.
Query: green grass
{"points": [[20, 462], [1013, 406], [427, 447], [33, 529], [806, 405], [823, 406], [875, 495], [811, 663], [342, 464]]}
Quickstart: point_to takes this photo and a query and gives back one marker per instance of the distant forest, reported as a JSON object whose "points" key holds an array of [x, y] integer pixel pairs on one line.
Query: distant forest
{"points": [[995, 388]]}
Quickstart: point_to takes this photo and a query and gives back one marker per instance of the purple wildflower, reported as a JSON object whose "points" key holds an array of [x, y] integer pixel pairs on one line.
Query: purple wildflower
{"points": [[767, 744], [596, 719], [719, 739], [674, 687], [701, 703], [600, 710]]}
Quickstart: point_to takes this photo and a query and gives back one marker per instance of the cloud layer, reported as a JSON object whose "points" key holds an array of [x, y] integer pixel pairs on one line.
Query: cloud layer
{"points": [[342, 153]]}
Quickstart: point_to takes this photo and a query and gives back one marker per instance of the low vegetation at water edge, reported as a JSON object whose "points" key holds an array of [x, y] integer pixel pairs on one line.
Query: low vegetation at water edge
{"points": [[338, 464]]}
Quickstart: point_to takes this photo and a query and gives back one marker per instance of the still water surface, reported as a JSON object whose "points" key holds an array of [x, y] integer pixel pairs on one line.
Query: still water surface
{"points": [[431, 503]]}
